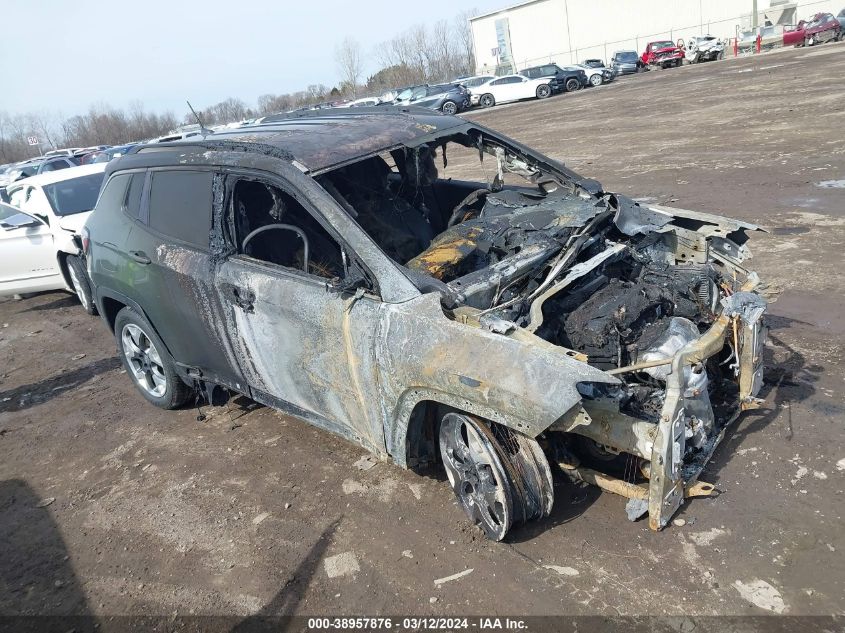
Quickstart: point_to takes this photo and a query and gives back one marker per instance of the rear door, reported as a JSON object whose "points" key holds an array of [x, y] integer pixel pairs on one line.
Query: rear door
{"points": [[118, 208], [499, 89], [524, 88], [512, 88], [170, 271]]}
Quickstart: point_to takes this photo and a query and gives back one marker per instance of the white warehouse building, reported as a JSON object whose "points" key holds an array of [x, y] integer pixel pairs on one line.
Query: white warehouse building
{"points": [[570, 31]]}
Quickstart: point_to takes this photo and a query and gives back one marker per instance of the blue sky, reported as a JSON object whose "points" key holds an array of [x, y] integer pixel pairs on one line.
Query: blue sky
{"points": [[61, 56]]}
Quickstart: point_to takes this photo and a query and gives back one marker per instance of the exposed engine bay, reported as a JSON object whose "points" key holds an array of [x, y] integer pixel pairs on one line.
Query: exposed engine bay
{"points": [[657, 298]]}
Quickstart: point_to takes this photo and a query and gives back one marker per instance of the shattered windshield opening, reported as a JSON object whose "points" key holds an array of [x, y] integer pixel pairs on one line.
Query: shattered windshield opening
{"points": [[445, 227]]}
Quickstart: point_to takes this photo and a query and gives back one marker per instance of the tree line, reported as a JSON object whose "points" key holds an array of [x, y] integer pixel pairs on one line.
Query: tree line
{"points": [[421, 54]]}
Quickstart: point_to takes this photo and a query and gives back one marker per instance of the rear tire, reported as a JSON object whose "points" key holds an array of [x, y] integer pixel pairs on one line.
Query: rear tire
{"points": [[543, 91], [449, 107], [80, 284], [487, 101], [147, 362], [572, 85]]}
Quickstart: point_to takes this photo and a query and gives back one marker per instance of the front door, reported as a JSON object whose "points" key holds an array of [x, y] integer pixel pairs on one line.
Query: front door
{"points": [[27, 253], [303, 344]]}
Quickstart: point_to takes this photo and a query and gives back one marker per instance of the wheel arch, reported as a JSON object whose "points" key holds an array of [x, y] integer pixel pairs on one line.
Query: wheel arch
{"points": [[110, 303], [61, 260], [412, 435]]}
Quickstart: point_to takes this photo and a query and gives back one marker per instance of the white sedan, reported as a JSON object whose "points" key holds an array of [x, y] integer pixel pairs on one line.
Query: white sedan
{"points": [[39, 241], [596, 75], [511, 88]]}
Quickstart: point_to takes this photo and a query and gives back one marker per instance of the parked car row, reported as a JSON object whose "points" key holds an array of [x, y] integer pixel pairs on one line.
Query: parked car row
{"points": [[486, 90], [55, 160]]}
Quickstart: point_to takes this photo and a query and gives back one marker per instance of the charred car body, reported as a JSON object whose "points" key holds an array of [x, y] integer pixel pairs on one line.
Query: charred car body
{"points": [[321, 265]]}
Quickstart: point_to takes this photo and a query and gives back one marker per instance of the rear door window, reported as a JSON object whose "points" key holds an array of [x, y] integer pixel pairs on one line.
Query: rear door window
{"points": [[180, 205], [132, 200], [112, 196]]}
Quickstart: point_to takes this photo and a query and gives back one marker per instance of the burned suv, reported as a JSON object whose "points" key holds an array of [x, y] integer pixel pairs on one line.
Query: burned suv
{"points": [[360, 271]]}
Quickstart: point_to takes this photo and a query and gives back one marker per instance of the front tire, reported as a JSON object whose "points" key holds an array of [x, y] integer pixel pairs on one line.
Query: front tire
{"points": [[543, 91], [81, 286], [596, 80], [500, 478], [147, 362], [487, 101], [449, 107]]}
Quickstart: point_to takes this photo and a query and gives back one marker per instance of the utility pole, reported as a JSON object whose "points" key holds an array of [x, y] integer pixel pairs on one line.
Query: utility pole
{"points": [[568, 34], [754, 14]]}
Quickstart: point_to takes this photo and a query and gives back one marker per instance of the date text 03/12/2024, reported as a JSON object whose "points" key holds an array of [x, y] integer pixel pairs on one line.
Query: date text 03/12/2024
{"points": [[415, 624]]}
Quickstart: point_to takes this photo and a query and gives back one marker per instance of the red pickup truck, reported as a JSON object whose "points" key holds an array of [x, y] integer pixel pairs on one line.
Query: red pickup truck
{"points": [[663, 53]]}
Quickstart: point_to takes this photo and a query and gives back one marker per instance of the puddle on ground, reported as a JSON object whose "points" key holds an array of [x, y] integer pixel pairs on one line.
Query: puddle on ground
{"points": [[790, 230], [831, 184]]}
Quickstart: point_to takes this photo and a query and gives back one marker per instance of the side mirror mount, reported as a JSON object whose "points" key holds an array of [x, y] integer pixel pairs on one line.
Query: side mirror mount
{"points": [[354, 282]]}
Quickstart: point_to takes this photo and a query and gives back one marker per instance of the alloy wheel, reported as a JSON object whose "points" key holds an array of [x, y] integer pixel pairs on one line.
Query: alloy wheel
{"points": [[476, 473], [449, 108], [144, 360]]}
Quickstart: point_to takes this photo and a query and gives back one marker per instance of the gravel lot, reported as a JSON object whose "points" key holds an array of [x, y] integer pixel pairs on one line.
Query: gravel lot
{"points": [[250, 512]]}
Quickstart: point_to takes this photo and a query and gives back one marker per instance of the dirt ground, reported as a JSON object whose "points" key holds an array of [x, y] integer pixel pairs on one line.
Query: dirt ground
{"points": [[250, 512]]}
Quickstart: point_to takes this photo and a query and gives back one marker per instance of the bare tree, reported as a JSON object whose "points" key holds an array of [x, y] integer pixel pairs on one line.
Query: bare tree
{"points": [[463, 35], [316, 93], [442, 64], [271, 104], [43, 126], [350, 63]]}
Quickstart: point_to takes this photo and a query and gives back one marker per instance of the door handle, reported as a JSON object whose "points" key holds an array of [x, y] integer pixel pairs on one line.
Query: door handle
{"points": [[140, 257], [244, 298]]}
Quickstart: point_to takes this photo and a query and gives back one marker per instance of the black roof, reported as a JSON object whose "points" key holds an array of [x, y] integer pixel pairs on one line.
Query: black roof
{"points": [[320, 139]]}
